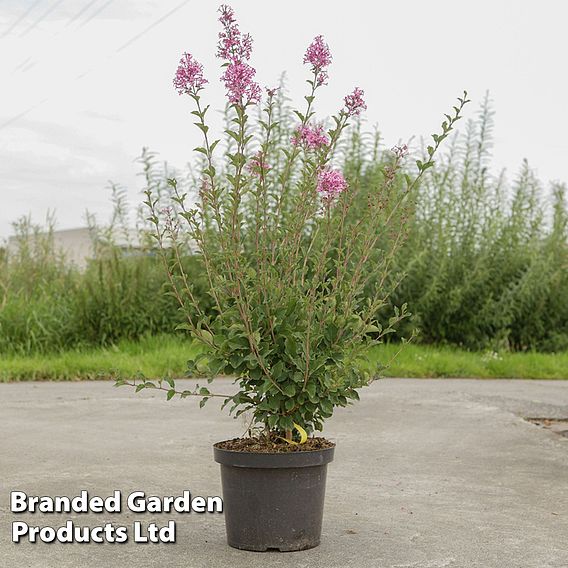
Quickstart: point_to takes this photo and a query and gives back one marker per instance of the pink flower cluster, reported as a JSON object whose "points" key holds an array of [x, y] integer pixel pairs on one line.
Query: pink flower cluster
{"points": [[232, 46], [236, 49], [331, 184], [189, 75], [354, 103], [241, 89], [312, 137], [257, 166], [319, 57], [400, 151]]}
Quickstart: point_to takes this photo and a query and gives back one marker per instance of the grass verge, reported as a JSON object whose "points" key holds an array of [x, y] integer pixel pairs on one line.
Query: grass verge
{"points": [[164, 355]]}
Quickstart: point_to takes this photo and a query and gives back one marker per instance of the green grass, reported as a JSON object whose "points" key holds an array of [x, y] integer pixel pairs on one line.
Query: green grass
{"points": [[163, 355], [153, 356], [429, 362]]}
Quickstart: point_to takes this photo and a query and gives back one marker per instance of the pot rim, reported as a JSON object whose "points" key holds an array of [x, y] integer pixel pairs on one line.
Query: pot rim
{"points": [[262, 460]]}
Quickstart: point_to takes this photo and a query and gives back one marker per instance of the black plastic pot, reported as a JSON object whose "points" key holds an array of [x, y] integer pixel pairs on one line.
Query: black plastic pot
{"points": [[273, 501]]}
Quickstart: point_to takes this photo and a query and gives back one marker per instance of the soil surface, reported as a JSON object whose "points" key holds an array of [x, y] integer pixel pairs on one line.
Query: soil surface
{"points": [[273, 446]]}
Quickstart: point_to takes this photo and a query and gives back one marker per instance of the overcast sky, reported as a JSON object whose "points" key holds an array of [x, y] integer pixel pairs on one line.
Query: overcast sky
{"points": [[86, 83]]}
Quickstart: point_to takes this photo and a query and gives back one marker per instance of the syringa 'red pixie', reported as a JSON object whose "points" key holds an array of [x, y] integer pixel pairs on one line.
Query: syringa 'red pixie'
{"points": [[400, 151], [257, 165], [241, 89], [312, 137], [354, 103], [318, 56], [236, 49], [232, 46], [288, 308], [189, 75], [331, 183]]}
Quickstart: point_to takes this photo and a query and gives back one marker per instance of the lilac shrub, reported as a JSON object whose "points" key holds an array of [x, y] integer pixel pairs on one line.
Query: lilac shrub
{"points": [[286, 265]]}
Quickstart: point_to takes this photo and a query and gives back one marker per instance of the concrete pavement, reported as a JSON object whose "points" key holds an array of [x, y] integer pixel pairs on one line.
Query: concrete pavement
{"points": [[427, 474]]}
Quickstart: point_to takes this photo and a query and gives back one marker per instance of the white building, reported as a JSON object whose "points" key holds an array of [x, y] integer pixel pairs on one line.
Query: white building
{"points": [[78, 246]]}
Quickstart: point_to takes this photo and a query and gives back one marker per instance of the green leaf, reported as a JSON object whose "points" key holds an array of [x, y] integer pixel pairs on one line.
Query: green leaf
{"points": [[278, 370], [291, 346], [326, 406], [311, 389], [234, 135], [204, 128], [289, 389], [299, 115], [289, 404], [210, 171], [274, 402]]}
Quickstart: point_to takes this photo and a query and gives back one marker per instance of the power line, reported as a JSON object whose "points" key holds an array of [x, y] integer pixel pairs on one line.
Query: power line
{"points": [[22, 65], [151, 26], [96, 13], [118, 50], [22, 114], [22, 17], [80, 12], [41, 18]]}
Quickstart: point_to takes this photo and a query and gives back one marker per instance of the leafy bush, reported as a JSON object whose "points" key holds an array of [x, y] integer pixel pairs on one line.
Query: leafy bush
{"points": [[480, 262], [486, 265], [287, 265], [36, 292]]}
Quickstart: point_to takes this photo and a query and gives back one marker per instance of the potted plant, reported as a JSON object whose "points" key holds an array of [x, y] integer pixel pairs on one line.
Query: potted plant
{"points": [[294, 296]]}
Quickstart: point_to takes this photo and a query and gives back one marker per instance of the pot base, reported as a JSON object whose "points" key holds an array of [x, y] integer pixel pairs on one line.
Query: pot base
{"points": [[274, 549]]}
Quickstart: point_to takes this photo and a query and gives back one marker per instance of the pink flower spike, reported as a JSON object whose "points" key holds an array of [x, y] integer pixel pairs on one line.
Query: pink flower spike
{"points": [[232, 46], [319, 57], [241, 88], [189, 75], [227, 16], [331, 184], [312, 138], [354, 103]]}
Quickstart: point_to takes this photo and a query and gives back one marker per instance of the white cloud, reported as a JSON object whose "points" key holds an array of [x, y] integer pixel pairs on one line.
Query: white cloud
{"points": [[81, 107]]}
